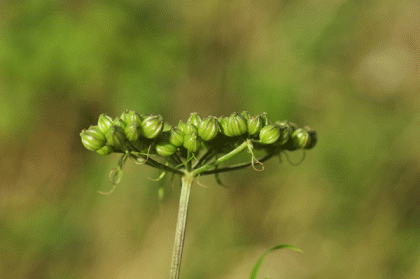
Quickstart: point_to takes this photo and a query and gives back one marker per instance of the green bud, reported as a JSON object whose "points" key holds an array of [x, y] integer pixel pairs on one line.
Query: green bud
{"points": [[246, 115], [115, 137], [104, 122], [208, 128], [270, 134], [236, 125], [132, 131], [300, 138], [106, 150], [191, 142], [165, 148], [313, 138], [176, 136], [130, 116], [152, 126], [93, 138], [194, 119], [255, 124]]}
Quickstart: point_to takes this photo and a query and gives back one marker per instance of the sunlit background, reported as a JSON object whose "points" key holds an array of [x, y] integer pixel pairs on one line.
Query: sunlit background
{"points": [[349, 69]]}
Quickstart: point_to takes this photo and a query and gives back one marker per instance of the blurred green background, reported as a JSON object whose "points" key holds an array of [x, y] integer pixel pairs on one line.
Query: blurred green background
{"points": [[349, 69]]}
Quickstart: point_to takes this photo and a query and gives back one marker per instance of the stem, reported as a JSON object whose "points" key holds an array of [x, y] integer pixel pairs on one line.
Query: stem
{"points": [[236, 167], [205, 158], [226, 157], [187, 180], [150, 162]]}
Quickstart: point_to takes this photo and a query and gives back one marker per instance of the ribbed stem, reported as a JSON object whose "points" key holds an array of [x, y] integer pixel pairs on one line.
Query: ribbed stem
{"points": [[187, 180]]}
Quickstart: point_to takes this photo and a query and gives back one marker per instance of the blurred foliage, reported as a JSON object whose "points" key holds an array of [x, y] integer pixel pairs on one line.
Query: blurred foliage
{"points": [[350, 69]]}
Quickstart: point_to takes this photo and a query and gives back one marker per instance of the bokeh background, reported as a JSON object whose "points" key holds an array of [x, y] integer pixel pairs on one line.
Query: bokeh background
{"points": [[349, 69]]}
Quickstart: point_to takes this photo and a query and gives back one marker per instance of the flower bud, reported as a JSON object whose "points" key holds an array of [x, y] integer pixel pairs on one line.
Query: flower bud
{"points": [[165, 148], [132, 131], [129, 116], [106, 150], [255, 124], [236, 125], [194, 119], [270, 134], [93, 138], [313, 138], [104, 122], [176, 136], [152, 126], [115, 137], [208, 128], [191, 142]]}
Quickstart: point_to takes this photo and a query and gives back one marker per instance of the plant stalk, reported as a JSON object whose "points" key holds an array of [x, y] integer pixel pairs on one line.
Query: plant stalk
{"points": [[187, 180]]}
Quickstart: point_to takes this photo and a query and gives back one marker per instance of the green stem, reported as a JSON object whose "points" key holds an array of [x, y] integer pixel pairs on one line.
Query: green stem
{"points": [[222, 159], [236, 167], [149, 161], [187, 180], [205, 158]]}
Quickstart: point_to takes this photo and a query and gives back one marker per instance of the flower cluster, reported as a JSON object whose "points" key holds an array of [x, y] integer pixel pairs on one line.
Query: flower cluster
{"points": [[132, 132]]}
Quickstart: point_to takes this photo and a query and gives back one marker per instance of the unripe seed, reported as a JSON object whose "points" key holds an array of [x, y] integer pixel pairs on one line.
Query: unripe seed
{"points": [[292, 126], [313, 138], [93, 138], [189, 128], [300, 138], [270, 134], [104, 122], [191, 142], [246, 115], [118, 122], [106, 150], [181, 125], [165, 148], [130, 116], [115, 137], [132, 131], [208, 128], [255, 124], [223, 122], [265, 118], [176, 136], [236, 125], [284, 134], [152, 126], [194, 119]]}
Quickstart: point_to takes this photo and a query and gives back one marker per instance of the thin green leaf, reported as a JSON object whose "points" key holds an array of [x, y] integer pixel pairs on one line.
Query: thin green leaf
{"points": [[258, 264]]}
